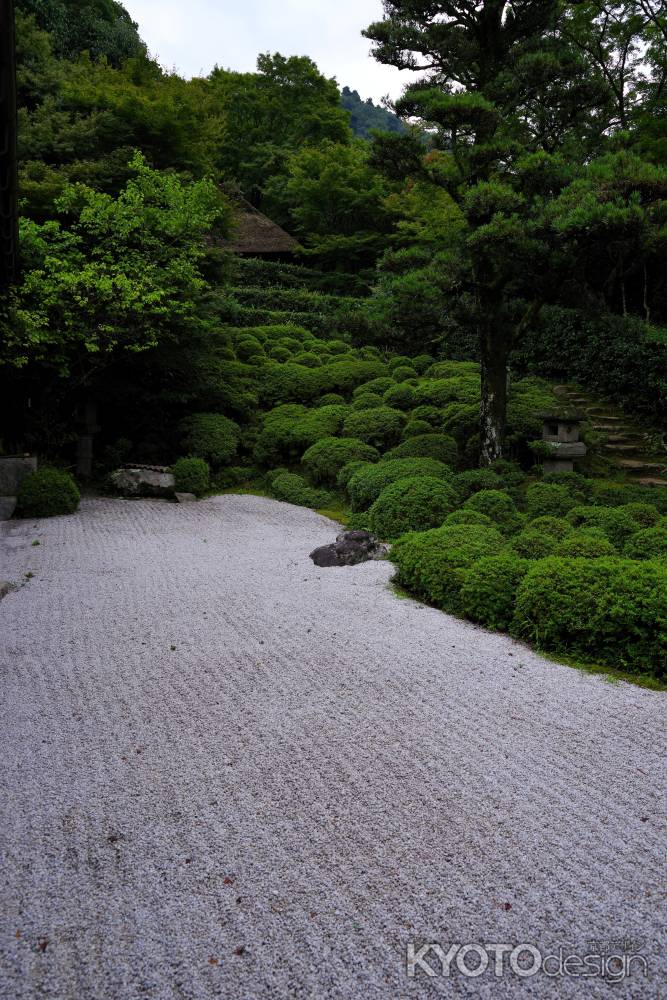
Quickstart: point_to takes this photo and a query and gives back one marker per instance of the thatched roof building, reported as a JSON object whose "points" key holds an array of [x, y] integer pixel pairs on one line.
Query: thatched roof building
{"points": [[255, 235]]}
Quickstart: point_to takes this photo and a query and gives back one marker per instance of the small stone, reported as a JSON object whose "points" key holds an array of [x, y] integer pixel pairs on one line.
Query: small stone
{"points": [[186, 497], [5, 588]]}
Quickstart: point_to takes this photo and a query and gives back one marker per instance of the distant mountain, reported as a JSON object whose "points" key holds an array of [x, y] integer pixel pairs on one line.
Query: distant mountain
{"points": [[364, 115]]}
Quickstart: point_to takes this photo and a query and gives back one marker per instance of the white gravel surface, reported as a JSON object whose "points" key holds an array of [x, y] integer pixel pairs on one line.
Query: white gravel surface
{"points": [[226, 773]]}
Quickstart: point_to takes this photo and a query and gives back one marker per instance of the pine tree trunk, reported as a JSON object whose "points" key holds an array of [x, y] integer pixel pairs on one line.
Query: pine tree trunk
{"points": [[493, 412]]}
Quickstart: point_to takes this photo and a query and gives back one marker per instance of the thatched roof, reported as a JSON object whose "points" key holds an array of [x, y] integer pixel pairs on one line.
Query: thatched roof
{"points": [[255, 234]]}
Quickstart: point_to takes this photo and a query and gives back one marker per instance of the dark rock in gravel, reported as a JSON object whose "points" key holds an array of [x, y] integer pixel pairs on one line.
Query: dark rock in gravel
{"points": [[350, 549]]}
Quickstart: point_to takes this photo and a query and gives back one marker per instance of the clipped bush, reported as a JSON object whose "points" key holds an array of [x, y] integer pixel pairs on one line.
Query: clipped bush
{"points": [[532, 543], [443, 391], [289, 429], [431, 414], [324, 459], [432, 564], [191, 475], [211, 436], [463, 516], [643, 513], [348, 470], [577, 485], [615, 522], [330, 399], [366, 485], [587, 544], [413, 428], [611, 611], [294, 489], [412, 504], [422, 363], [404, 372], [497, 505], [555, 527], [377, 385], [47, 492], [438, 446], [401, 395], [307, 358], [475, 480], [548, 500], [380, 427], [650, 543], [367, 401], [490, 585]]}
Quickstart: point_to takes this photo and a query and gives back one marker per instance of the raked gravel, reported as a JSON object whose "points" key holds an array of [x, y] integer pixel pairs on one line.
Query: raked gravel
{"points": [[227, 773]]}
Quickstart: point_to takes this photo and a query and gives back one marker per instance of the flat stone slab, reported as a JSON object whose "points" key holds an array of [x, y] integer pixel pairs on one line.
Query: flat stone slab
{"points": [[13, 470], [186, 497]]}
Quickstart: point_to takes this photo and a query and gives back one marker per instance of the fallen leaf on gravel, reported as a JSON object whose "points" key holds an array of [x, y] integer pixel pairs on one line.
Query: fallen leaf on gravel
{"points": [[213, 960], [240, 950], [228, 881], [42, 944]]}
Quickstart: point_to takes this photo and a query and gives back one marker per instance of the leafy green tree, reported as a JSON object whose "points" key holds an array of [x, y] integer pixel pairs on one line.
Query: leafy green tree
{"points": [[111, 275], [365, 116], [101, 27]]}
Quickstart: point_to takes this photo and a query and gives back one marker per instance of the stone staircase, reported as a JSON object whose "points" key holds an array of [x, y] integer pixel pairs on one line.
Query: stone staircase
{"points": [[623, 442]]}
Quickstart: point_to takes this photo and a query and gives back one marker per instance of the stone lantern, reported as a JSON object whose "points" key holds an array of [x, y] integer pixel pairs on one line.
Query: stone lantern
{"points": [[560, 430]]}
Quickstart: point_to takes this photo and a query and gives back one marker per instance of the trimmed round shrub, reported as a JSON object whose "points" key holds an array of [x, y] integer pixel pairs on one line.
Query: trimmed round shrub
{"points": [[380, 427], [532, 543], [422, 363], [348, 470], [643, 513], [367, 401], [451, 369], [279, 353], [432, 564], [366, 485], [191, 475], [376, 385], [615, 522], [577, 485], [555, 527], [431, 414], [324, 459], [294, 489], [650, 543], [586, 544], [247, 348], [307, 358], [330, 399], [548, 500], [211, 436], [475, 480], [443, 391], [47, 492], [438, 446], [401, 395], [498, 506], [414, 428], [463, 516], [611, 611], [412, 504], [358, 522], [404, 372], [489, 590], [399, 361]]}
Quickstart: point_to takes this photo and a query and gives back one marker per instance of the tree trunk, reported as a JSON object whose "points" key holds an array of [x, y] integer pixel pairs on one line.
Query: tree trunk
{"points": [[494, 351]]}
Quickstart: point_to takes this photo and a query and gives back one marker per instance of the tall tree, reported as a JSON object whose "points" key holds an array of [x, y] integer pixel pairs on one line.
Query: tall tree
{"points": [[500, 85]]}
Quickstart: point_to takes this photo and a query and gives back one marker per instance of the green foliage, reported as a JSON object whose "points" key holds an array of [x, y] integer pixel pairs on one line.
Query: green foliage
{"points": [[325, 459], [533, 543], [549, 500], [617, 523], [415, 428], [588, 544], [612, 611], [102, 27], [365, 485], [411, 504], [294, 489], [474, 480], [191, 475], [463, 516], [47, 492], [290, 429], [489, 589], [366, 116], [367, 401], [650, 543], [401, 396], [554, 527], [433, 564], [211, 436], [497, 505], [380, 426], [438, 446]]}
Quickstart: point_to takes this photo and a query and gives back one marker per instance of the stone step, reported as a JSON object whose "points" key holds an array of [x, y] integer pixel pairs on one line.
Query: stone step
{"points": [[622, 449], [641, 465], [649, 481], [616, 422]]}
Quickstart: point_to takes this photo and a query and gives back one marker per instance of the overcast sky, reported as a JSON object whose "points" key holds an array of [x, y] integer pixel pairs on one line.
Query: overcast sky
{"points": [[193, 36]]}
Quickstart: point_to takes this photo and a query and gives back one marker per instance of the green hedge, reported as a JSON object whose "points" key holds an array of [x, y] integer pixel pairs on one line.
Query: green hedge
{"points": [[191, 475], [611, 611], [366, 484], [324, 460], [380, 426], [412, 504], [433, 564], [439, 446], [211, 436], [294, 489], [47, 492], [489, 589], [497, 505]]}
